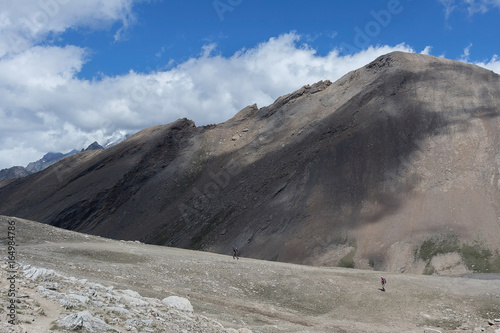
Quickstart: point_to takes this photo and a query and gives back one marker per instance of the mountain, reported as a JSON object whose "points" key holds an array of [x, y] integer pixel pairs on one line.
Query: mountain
{"points": [[93, 146], [43, 163], [115, 139], [396, 166], [47, 160], [13, 173]]}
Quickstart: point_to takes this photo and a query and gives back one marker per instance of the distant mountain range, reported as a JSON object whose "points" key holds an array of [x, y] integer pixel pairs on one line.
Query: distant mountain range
{"points": [[43, 163], [52, 158]]}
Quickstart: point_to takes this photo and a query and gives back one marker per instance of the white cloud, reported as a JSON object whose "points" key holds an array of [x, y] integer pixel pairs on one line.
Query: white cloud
{"points": [[493, 64], [23, 23], [466, 55], [427, 50], [481, 6], [449, 7], [470, 6]]}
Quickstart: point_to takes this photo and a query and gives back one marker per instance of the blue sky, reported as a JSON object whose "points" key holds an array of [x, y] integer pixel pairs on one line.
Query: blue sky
{"points": [[76, 71], [175, 31]]}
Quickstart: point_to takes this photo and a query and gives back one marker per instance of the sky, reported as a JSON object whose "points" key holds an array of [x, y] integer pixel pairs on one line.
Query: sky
{"points": [[77, 71]]}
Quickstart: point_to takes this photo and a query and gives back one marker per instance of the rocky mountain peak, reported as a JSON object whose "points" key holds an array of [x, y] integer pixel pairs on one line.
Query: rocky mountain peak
{"points": [[93, 146]]}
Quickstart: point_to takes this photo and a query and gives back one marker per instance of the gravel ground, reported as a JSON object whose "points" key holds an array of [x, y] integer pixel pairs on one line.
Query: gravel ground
{"points": [[228, 295]]}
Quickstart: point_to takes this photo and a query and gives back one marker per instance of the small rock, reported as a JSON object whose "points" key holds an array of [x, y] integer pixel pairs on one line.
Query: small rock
{"points": [[79, 298], [98, 304], [244, 330], [118, 310], [132, 301], [147, 322], [40, 311], [52, 285]]}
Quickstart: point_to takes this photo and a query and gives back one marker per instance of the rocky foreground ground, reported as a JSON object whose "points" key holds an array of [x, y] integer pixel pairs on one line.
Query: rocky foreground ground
{"points": [[46, 298], [72, 282]]}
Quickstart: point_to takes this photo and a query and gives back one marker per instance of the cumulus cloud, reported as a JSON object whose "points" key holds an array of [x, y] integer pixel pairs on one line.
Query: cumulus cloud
{"points": [[470, 6], [24, 23], [493, 64], [427, 50]]}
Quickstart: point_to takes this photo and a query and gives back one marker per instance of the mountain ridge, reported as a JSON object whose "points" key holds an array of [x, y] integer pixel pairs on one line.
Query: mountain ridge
{"points": [[41, 164], [361, 172]]}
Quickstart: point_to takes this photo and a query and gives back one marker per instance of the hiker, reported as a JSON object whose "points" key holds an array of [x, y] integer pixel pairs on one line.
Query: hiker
{"points": [[383, 281], [235, 253]]}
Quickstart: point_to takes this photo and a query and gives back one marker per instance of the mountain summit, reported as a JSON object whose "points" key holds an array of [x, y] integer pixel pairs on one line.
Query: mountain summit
{"points": [[396, 166]]}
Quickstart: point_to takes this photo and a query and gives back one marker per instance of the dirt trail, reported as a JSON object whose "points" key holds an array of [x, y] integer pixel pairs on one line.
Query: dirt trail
{"points": [[262, 296]]}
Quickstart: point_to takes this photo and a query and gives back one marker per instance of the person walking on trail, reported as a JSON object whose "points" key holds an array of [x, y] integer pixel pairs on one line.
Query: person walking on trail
{"points": [[383, 281], [235, 253]]}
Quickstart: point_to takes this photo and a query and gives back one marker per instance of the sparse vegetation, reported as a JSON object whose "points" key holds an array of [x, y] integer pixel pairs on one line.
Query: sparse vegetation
{"points": [[371, 262], [54, 327], [438, 245], [348, 260], [105, 257], [489, 312], [477, 257], [429, 269]]}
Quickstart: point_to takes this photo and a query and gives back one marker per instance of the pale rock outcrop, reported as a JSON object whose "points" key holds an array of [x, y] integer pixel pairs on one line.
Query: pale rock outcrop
{"points": [[179, 303], [84, 320]]}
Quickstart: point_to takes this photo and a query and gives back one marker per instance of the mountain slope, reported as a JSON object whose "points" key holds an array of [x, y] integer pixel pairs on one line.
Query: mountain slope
{"points": [[390, 166]]}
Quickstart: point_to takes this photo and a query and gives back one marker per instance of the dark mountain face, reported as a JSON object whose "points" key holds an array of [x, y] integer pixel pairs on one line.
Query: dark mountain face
{"points": [[394, 159]]}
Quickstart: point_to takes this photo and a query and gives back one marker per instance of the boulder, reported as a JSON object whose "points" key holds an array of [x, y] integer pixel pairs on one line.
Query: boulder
{"points": [[84, 320], [131, 293], [178, 303], [35, 273]]}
